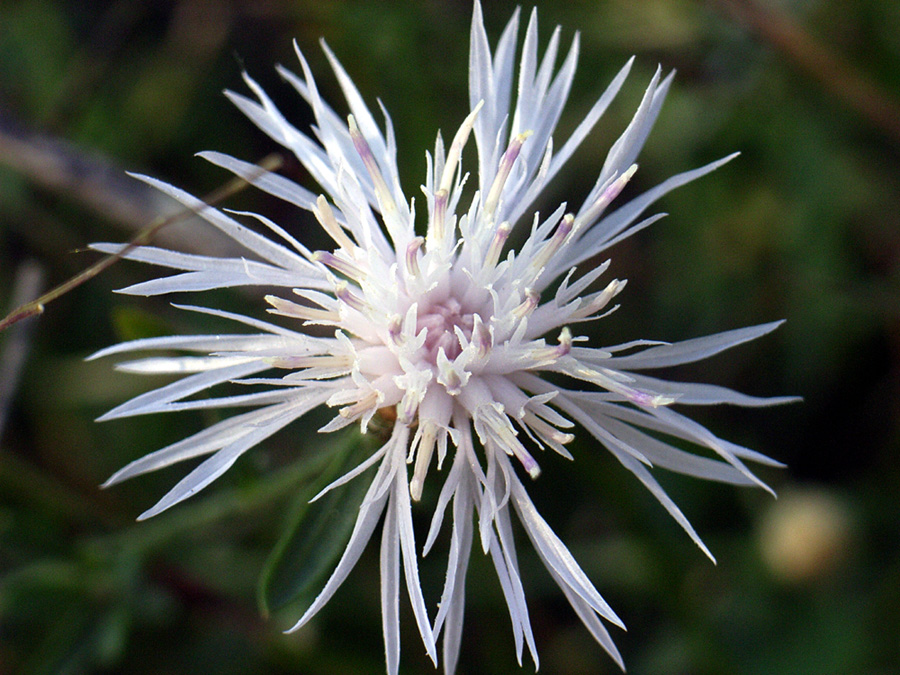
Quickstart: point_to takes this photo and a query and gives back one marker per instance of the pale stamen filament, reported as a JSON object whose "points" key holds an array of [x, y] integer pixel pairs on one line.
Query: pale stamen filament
{"points": [[605, 198], [545, 356], [365, 154], [412, 258], [555, 243], [370, 401], [599, 300], [497, 243], [292, 309], [532, 299], [436, 232], [339, 265], [545, 430], [325, 215], [424, 452], [344, 294], [606, 379], [503, 171], [342, 361]]}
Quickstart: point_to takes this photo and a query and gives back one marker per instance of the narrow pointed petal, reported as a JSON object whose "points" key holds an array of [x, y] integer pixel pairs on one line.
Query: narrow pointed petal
{"points": [[689, 351], [390, 589]]}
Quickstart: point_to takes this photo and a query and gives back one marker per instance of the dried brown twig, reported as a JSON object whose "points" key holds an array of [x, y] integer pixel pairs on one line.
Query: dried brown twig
{"points": [[144, 237]]}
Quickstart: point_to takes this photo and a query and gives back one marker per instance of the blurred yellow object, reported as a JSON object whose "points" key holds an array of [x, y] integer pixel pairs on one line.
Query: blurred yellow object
{"points": [[805, 535]]}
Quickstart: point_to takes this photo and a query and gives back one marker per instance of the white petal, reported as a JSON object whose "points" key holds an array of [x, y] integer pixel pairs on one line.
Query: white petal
{"points": [[451, 607], [626, 148], [350, 475], [590, 119], [390, 588], [202, 443], [646, 420], [213, 438], [589, 618], [519, 611], [692, 393], [265, 248], [674, 459], [598, 237], [198, 343], [272, 183], [369, 515], [220, 462], [410, 562], [656, 489], [155, 400], [557, 555], [692, 350]]}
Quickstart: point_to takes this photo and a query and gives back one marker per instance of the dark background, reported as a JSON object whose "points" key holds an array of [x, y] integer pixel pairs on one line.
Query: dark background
{"points": [[802, 226]]}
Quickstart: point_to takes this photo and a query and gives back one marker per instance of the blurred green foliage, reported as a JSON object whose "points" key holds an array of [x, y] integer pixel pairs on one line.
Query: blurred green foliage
{"points": [[804, 226]]}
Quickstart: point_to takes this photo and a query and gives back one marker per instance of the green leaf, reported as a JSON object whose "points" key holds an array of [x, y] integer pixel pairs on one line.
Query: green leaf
{"points": [[315, 535]]}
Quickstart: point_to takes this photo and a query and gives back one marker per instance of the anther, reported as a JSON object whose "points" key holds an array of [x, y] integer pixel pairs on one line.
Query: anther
{"points": [[343, 293], [497, 243], [412, 256], [325, 215], [506, 165]]}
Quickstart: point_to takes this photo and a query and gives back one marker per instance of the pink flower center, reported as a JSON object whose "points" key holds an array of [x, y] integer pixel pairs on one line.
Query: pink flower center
{"points": [[442, 320]]}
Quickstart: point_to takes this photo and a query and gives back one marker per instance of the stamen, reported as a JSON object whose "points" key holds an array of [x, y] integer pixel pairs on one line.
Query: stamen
{"points": [[370, 401], [343, 293], [325, 215], [395, 329], [528, 462], [343, 361], [532, 299], [649, 400], [365, 154], [436, 227], [414, 382], [546, 430], [493, 425], [481, 337], [449, 375], [424, 451], [339, 265], [545, 356], [607, 379], [565, 342], [412, 257], [599, 300], [497, 243], [606, 197], [506, 165], [554, 243], [406, 409], [292, 309], [501, 434]]}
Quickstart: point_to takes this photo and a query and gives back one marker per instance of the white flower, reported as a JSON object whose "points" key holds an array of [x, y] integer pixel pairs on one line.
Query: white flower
{"points": [[448, 329]]}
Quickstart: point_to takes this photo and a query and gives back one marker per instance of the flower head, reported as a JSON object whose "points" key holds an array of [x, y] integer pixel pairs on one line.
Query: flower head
{"points": [[452, 329]]}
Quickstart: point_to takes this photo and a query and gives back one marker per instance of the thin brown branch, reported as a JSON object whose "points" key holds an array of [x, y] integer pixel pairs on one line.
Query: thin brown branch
{"points": [[144, 237], [833, 73]]}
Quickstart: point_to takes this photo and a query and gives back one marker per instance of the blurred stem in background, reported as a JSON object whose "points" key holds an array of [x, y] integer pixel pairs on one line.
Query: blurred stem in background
{"points": [[782, 33], [14, 349]]}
